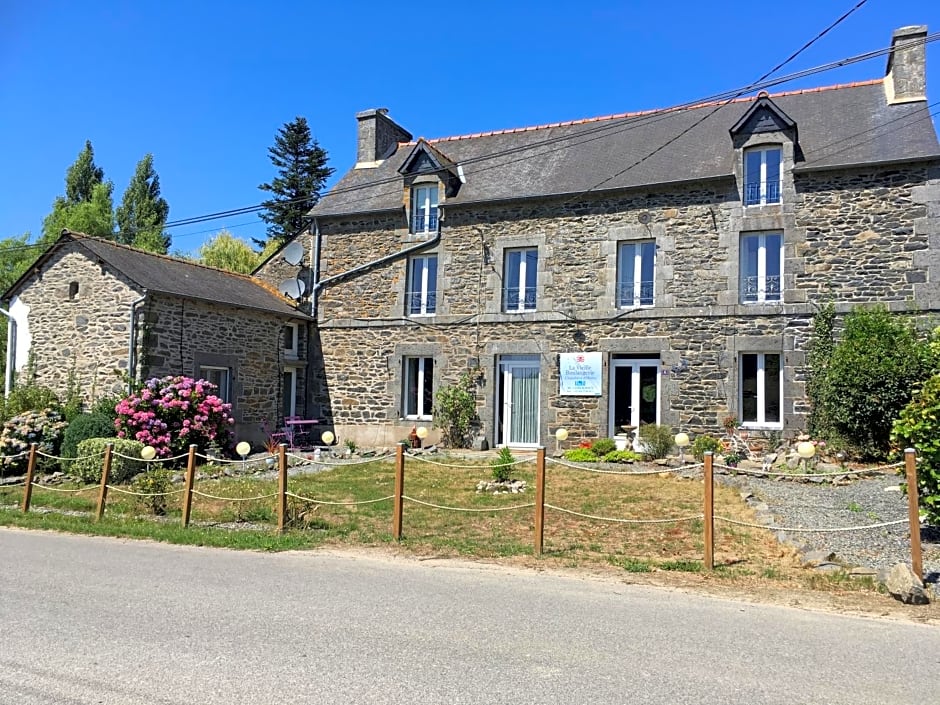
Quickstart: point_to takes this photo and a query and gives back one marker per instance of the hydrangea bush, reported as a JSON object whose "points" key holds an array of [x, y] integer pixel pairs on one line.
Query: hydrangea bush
{"points": [[171, 413], [43, 427]]}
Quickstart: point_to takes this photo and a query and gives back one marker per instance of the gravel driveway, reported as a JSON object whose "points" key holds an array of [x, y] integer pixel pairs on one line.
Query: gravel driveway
{"points": [[859, 502]]}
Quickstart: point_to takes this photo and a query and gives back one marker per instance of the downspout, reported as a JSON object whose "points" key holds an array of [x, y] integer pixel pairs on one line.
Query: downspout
{"points": [[11, 342], [377, 262], [132, 345], [315, 268]]}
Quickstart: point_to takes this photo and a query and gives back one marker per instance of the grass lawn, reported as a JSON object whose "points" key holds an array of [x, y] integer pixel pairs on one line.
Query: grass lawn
{"points": [[500, 527]]}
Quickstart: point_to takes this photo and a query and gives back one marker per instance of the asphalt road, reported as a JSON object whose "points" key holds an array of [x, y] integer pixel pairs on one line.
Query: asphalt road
{"points": [[91, 620]]}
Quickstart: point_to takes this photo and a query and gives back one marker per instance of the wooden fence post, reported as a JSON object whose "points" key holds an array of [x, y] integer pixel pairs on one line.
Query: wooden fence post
{"points": [[539, 499], [30, 471], [281, 487], [399, 491], [105, 474], [190, 479], [913, 515], [709, 512]]}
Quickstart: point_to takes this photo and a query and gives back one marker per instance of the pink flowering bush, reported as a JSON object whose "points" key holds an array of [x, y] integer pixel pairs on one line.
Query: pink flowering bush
{"points": [[171, 413]]}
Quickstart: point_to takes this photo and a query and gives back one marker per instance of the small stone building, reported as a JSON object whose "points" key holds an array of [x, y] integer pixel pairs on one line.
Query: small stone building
{"points": [[662, 266], [91, 314]]}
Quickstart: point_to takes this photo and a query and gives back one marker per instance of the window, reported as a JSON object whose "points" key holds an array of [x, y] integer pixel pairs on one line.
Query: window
{"points": [[762, 174], [73, 290], [761, 389], [219, 376], [761, 267], [419, 387], [291, 340], [289, 392], [635, 266], [422, 286], [519, 279], [424, 209]]}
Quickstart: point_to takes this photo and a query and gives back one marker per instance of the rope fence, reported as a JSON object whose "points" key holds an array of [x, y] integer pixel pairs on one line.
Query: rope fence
{"points": [[798, 475], [708, 516]]}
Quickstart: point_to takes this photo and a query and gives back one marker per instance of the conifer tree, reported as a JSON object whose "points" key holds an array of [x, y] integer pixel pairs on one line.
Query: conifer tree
{"points": [[87, 206], [302, 172]]}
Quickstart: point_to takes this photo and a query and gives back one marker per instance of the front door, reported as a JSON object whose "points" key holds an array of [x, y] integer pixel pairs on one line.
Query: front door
{"points": [[517, 410], [634, 394]]}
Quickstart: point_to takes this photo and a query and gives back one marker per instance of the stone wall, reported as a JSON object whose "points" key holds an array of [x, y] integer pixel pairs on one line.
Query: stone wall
{"points": [[79, 324], [850, 236]]}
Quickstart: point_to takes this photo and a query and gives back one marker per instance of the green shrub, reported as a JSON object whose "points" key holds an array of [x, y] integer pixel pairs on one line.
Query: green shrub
{"points": [[704, 443], [85, 426], [90, 456], [105, 406], [29, 397], [502, 465], [154, 486], [918, 427], [581, 455], [44, 427], [869, 378], [603, 446], [621, 456], [656, 440], [455, 412]]}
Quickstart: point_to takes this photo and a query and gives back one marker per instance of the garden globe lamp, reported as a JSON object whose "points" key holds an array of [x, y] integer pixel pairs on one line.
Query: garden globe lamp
{"points": [[148, 452], [682, 440], [243, 449], [806, 450], [560, 435], [422, 432], [327, 437]]}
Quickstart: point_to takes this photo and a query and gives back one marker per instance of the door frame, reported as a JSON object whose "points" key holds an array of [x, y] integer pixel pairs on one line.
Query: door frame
{"points": [[635, 363], [503, 417]]}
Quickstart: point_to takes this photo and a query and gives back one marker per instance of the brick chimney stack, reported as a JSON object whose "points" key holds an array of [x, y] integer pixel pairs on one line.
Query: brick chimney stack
{"points": [[906, 78], [379, 136]]}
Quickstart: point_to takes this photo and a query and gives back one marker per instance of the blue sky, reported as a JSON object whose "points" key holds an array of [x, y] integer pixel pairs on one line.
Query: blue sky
{"points": [[204, 86]]}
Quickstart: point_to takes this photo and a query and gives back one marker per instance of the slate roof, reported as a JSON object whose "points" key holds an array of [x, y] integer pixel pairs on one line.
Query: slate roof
{"points": [[175, 277], [838, 126]]}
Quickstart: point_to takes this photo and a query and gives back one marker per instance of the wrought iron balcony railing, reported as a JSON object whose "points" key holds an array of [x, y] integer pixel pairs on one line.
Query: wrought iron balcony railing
{"points": [[758, 194], [756, 289], [519, 298], [635, 294]]}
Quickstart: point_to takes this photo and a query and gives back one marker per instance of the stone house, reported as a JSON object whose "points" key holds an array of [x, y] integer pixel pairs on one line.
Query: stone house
{"points": [[661, 266], [90, 314]]}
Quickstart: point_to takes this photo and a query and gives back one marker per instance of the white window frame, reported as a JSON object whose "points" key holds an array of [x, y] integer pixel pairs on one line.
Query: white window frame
{"points": [[419, 412], [765, 179], [292, 351], [520, 306], [225, 391], [635, 298], [428, 290], [292, 410], [761, 294], [761, 391], [423, 207]]}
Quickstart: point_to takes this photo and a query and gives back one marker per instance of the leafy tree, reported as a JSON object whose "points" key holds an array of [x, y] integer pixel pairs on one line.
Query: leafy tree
{"points": [[228, 252], [455, 412], [86, 206], [871, 376], [301, 174], [143, 211], [918, 427]]}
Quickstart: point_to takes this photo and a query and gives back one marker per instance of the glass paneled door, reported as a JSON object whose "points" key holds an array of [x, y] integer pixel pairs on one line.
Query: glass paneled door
{"points": [[634, 394], [517, 406]]}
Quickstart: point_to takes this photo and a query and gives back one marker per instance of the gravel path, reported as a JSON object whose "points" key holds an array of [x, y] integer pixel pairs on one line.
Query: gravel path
{"points": [[861, 502]]}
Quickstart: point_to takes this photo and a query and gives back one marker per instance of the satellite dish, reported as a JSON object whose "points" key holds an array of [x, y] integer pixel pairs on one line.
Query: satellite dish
{"points": [[291, 288], [293, 253]]}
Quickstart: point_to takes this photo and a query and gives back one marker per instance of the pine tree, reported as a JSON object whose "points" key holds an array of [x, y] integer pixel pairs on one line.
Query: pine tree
{"points": [[302, 172], [82, 176], [143, 212]]}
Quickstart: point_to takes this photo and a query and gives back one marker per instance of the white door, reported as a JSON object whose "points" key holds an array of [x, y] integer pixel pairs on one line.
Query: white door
{"points": [[518, 401], [634, 394]]}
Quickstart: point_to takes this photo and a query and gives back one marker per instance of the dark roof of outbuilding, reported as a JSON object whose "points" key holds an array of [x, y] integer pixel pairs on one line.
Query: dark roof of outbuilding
{"points": [[175, 277], [838, 126]]}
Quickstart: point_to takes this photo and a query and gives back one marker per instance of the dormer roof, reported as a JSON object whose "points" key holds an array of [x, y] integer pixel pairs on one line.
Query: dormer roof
{"points": [[763, 116]]}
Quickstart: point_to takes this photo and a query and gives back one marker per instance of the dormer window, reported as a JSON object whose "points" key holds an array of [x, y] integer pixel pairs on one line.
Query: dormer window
{"points": [[424, 208], [763, 171]]}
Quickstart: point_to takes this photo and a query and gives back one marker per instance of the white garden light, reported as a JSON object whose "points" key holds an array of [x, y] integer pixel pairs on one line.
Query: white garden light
{"points": [[328, 437], [148, 452], [682, 440]]}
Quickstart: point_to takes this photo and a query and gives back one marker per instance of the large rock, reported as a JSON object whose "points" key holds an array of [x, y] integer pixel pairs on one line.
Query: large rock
{"points": [[905, 586]]}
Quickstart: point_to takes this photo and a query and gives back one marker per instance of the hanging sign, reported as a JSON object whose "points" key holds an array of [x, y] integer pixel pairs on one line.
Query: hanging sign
{"points": [[580, 374]]}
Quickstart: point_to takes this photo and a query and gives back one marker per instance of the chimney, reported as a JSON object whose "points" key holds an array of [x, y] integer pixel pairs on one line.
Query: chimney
{"points": [[379, 136], [906, 78]]}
